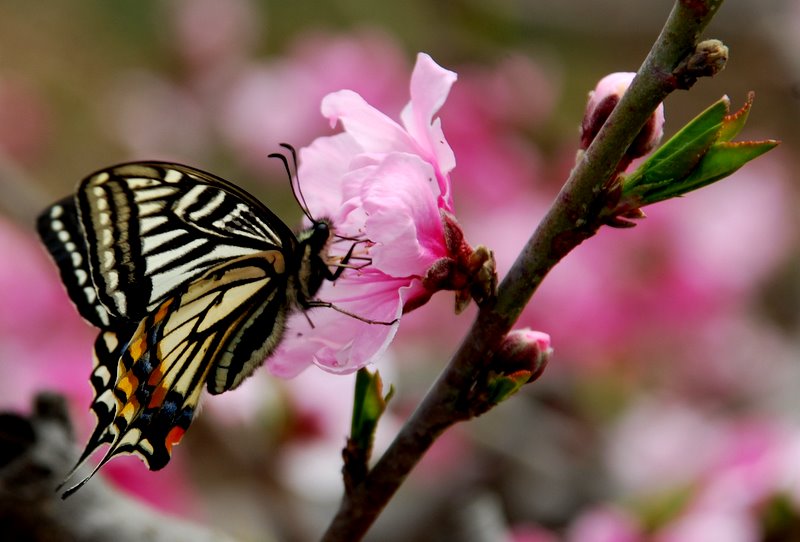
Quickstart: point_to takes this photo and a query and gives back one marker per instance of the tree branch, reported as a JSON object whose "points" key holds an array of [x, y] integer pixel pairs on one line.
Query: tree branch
{"points": [[568, 223]]}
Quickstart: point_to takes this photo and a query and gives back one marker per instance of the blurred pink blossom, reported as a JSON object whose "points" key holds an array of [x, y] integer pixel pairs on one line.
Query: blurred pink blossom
{"points": [[320, 406], [211, 35], [490, 116], [24, 119], [605, 524], [156, 118], [710, 525], [43, 343], [530, 533], [758, 459], [278, 100], [729, 468], [647, 446], [388, 183]]}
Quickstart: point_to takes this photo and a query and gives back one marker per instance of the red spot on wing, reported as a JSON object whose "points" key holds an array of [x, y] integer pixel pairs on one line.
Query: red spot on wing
{"points": [[173, 437]]}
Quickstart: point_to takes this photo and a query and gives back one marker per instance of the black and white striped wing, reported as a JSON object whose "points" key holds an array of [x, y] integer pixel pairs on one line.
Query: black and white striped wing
{"points": [[61, 232], [151, 228], [214, 332]]}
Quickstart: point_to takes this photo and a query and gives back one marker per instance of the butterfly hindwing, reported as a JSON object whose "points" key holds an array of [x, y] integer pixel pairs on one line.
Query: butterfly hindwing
{"points": [[213, 334]]}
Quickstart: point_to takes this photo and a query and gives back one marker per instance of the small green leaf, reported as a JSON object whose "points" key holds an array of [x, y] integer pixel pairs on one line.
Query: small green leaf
{"points": [[676, 158], [369, 404], [732, 124], [699, 154], [501, 387], [721, 160]]}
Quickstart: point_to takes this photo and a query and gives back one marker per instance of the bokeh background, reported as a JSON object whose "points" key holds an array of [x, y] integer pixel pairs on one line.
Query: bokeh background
{"points": [[670, 409]]}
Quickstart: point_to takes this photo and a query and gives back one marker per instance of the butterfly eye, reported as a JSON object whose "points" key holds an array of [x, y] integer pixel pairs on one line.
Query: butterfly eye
{"points": [[322, 230]]}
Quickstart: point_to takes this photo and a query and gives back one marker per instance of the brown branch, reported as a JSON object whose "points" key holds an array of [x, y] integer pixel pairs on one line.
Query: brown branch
{"points": [[570, 220]]}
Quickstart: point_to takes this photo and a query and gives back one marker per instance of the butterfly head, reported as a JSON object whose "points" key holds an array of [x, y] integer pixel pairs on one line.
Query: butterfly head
{"points": [[313, 267]]}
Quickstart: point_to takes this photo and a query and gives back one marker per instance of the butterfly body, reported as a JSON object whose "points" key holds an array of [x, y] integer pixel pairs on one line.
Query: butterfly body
{"points": [[189, 279]]}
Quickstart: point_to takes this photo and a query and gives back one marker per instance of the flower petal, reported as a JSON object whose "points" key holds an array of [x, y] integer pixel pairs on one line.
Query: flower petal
{"points": [[430, 85], [402, 216], [322, 166], [337, 342], [371, 129]]}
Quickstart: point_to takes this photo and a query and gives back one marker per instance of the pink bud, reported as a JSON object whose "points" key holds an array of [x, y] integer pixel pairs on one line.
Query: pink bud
{"points": [[524, 350], [602, 100]]}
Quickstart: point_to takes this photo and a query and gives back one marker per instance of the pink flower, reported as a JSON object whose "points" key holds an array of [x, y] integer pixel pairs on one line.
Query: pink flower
{"points": [[647, 451], [43, 343], [530, 533], [309, 459], [211, 35], [388, 183]]}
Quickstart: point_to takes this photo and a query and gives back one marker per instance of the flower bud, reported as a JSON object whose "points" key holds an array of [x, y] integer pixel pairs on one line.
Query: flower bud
{"points": [[602, 101], [521, 359], [524, 350]]}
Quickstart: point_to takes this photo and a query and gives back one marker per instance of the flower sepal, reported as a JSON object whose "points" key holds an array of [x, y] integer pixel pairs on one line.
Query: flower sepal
{"points": [[469, 272]]}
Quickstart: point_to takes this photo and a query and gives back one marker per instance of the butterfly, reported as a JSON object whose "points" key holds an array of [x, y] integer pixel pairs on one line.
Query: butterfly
{"points": [[189, 279]]}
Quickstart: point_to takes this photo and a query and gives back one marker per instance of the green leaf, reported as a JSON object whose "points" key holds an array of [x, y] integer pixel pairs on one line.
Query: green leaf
{"points": [[721, 160], [501, 387], [699, 154], [369, 404], [676, 158], [732, 124]]}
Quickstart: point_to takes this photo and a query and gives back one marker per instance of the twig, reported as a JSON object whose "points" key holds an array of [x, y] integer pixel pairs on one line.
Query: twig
{"points": [[567, 224]]}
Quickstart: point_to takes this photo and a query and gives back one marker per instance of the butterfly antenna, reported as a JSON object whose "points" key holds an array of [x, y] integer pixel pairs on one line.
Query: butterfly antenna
{"points": [[296, 190], [300, 197]]}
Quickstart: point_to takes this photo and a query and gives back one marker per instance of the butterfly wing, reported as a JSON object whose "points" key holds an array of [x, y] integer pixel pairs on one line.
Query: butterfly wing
{"points": [[61, 232], [215, 332], [186, 276], [151, 228]]}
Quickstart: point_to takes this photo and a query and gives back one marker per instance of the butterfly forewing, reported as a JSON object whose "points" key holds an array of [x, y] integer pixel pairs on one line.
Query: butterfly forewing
{"points": [[61, 232], [153, 227]]}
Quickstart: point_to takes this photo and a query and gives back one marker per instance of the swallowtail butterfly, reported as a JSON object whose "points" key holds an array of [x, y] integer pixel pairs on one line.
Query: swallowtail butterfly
{"points": [[189, 279]]}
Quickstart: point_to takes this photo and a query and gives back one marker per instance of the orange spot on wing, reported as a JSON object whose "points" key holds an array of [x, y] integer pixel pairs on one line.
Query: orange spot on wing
{"points": [[129, 410], [173, 437], [127, 384], [162, 311], [158, 397], [138, 347]]}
